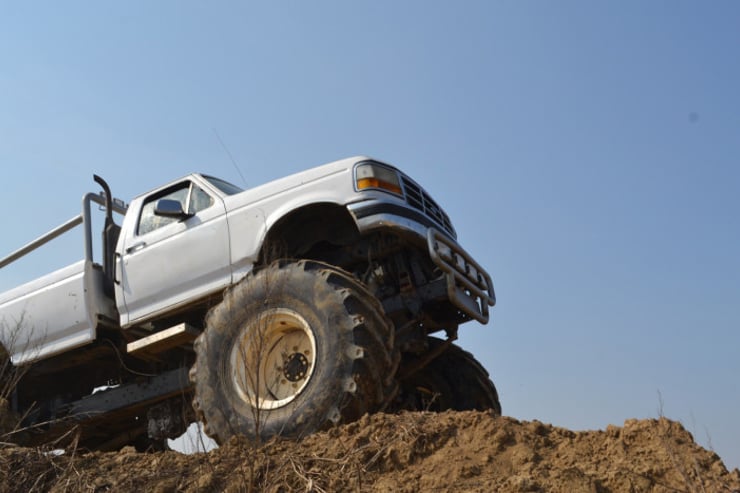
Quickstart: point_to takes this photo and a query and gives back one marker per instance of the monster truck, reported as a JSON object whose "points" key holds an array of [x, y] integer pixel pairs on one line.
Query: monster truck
{"points": [[278, 310]]}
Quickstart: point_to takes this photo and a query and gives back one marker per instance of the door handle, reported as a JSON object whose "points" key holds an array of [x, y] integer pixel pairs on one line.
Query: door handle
{"points": [[136, 246]]}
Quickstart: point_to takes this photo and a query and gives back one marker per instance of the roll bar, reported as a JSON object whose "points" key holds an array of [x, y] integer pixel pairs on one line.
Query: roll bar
{"points": [[83, 218]]}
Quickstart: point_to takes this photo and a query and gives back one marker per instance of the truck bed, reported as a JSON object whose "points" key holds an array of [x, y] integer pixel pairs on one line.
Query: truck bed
{"points": [[53, 313]]}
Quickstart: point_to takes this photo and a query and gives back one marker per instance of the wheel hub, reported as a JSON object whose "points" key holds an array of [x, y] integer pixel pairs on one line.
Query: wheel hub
{"points": [[295, 367]]}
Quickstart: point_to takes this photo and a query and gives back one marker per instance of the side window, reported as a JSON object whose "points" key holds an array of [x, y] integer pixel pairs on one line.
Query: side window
{"points": [[199, 200], [192, 198]]}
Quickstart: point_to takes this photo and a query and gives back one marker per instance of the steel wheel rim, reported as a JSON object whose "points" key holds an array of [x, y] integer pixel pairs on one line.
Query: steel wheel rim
{"points": [[273, 359]]}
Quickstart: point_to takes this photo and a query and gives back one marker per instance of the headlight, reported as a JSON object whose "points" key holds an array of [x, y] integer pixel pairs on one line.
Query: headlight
{"points": [[371, 175]]}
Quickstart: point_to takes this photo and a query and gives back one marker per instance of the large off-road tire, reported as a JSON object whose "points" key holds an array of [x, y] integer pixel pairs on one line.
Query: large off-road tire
{"points": [[454, 380], [293, 348]]}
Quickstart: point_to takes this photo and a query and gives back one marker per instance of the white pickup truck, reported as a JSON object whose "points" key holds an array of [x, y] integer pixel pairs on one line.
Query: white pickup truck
{"points": [[281, 309]]}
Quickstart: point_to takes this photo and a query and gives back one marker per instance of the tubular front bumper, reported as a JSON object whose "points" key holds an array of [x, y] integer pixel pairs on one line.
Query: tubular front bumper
{"points": [[469, 287]]}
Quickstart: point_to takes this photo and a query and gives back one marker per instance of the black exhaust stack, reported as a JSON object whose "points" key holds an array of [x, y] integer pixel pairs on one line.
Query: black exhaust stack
{"points": [[111, 231]]}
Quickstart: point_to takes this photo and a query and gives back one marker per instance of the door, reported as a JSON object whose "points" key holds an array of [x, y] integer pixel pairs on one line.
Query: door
{"points": [[168, 262]]}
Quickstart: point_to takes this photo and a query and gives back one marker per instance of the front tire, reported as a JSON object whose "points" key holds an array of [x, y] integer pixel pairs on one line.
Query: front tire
{"points": [[454, 380], [292, 349]]}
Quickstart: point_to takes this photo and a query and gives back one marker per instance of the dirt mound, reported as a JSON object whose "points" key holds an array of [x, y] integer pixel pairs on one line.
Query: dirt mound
{"points": [[453, 451]]}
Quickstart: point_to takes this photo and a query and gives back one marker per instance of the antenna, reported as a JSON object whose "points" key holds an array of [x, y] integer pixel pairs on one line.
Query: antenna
{"points": [[233, 161]]}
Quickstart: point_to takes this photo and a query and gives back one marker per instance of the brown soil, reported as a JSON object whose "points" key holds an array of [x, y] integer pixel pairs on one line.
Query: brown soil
{"points": [[412, 452]]}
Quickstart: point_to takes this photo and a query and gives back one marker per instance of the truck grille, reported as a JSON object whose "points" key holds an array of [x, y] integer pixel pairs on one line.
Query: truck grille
{"points": [[419, 199]]}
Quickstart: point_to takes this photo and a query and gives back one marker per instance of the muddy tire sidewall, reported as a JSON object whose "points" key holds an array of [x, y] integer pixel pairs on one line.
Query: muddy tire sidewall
{"points": [[339, 385]]}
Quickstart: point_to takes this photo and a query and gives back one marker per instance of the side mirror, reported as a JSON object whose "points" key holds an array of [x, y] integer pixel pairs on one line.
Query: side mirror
{"points": [[170, 208]]}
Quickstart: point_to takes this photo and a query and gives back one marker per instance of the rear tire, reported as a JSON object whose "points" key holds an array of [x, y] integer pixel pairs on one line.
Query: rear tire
{"points": [[454, 380], [292, 349]]}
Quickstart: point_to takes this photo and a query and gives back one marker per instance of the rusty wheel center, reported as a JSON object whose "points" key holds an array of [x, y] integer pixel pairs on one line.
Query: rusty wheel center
{"points": [[296, 367]]}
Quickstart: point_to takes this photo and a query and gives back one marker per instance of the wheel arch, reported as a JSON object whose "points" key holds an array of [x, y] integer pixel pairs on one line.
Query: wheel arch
{"points": [[295, 233]]}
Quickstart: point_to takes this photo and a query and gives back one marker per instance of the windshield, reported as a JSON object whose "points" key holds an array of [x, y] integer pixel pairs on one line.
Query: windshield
{"points": [[222, 185]]}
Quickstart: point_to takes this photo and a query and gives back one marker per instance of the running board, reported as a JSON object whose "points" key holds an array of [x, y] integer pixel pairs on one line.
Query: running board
{"points": [[149, 347]]}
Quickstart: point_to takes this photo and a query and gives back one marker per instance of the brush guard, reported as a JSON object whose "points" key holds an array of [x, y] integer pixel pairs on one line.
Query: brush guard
{"points": [[469, 287]]}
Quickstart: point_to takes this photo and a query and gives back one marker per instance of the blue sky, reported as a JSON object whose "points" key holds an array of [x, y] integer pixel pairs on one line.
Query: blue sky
{"points": [[586, 151]]}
